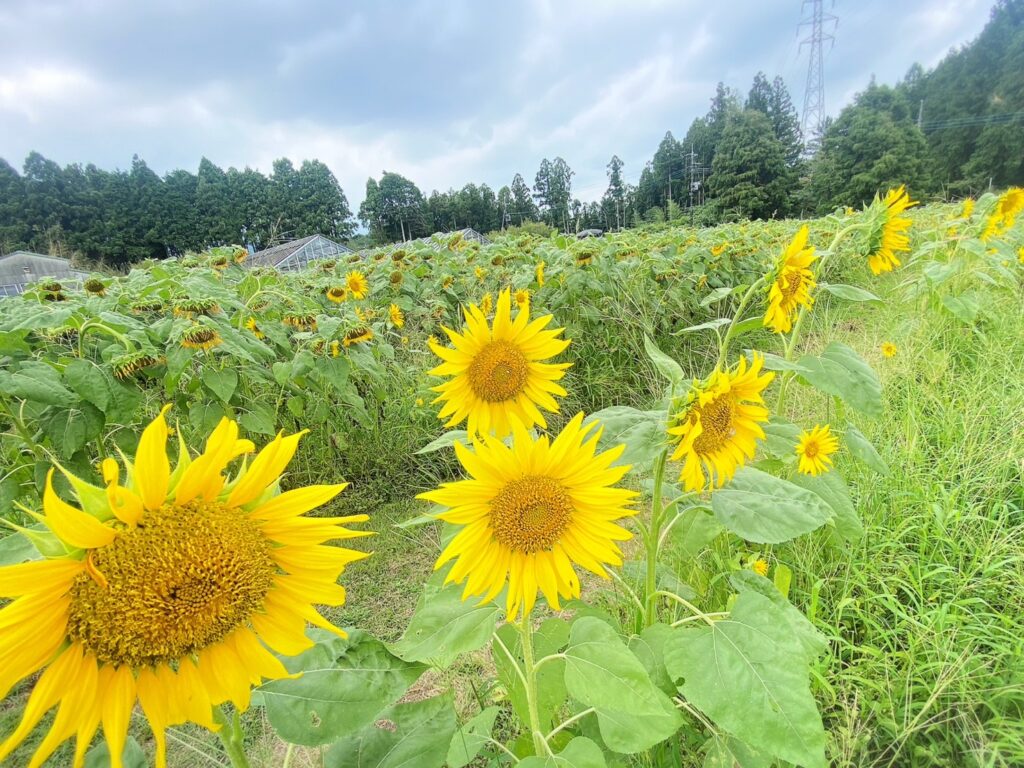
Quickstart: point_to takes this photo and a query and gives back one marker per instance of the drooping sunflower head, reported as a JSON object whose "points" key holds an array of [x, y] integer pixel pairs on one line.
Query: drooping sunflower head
{"points": [[718, 250], [305, 323], [127, 365], [194, 307], [337, 294], [792, 284], [718, 429], [357, 336], [95, 286], [357, 284], [396, 315], [496, 373], [200, 337], [888, 349], [889, 233], [170, 587], [531, 511], [480, 273], [814, 450], [396, 277]]}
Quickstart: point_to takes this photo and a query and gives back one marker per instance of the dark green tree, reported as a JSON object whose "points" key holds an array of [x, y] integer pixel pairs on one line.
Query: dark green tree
{"points": [[749, 174]]}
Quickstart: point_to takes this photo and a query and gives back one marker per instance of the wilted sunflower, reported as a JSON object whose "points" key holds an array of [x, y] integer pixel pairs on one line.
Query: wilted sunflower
{"points": [[172, 590], [396, 277], [357, 284], [890, 236], [815, 450], [888, 349], [303, 323], [793, 284], [397, 317], [357, 336], [127, 365], [193, 307], [95, 286], [539, 273], [497, 377], [530, 511], [337, 294], [719, 428], [200, 337]]}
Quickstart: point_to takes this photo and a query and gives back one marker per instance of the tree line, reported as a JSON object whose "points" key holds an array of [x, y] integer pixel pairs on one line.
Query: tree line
{"points": [[951, 131]]}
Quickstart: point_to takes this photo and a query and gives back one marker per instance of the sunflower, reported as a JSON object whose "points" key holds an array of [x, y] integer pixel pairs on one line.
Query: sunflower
{"points": [[130, 363], [200, 337], [487, 303], [539, 274], [968, 208], [497, 377], [888, 349], [815, 449], [1009, 204], [252, 327], [719, 429], [357, 336], [357, 284], [760, 567], [793, 284], [337, 294], [397, 316], [174, 590], [530, 511], [95, 286], [891, 236], [522, 297], [480, 273], [718, 250]]}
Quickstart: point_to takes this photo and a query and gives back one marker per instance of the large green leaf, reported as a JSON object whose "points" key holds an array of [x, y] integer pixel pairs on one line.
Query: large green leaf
{"points": [[410, 735], [728, 752], [69, 429], [39, 382], [445, 440], [749, 675], [88, 382], [692, 531], [833, 489], [666, 366], [131, 757], [601, 672], [578, 753], [864, 450], [221, 382], [766, 509], [444, 626], [849, 292], [841, 372], [643, 432], [649, 647], [345, 684], [471, 738], [15, 548], [812, 643]]}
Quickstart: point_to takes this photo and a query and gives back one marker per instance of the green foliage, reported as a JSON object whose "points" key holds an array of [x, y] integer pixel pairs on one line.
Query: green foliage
{"points": [[750, 178]]}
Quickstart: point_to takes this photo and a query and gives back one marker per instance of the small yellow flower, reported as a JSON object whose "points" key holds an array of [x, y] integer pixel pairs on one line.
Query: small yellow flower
{"points": [[718, 250], [815, 450], [397, 317], [361, 315], [891, 237], [335, 349], [405, 341], [480, 273], [432, 341], [760, 567], [793, 284], [968, 208], [357, 284], [487, 303], [522, 297], [250, 324], [539, 272], [419, 402], [448, 282], [849, 212], [888, 349], [337, 294]]}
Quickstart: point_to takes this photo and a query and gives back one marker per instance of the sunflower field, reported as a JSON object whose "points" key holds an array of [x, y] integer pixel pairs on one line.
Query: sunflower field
{"points": [[750, 495]]}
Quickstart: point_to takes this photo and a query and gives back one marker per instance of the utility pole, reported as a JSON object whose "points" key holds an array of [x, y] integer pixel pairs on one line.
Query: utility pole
{"points": [[813, 119], [920, 114]]}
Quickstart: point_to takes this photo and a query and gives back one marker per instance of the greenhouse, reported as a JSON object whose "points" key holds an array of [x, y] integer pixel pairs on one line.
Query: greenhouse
{"points": [[20, 269], [295, 255]]}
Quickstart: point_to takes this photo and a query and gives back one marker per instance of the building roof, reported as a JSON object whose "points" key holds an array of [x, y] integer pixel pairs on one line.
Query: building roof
{"points": [[296, 254], [20, 268]]}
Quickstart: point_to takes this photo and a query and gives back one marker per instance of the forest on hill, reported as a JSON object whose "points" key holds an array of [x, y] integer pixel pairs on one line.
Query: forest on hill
{"points": [[948, 132]]}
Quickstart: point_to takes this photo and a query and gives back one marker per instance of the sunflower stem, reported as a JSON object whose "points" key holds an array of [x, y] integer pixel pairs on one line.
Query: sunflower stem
{"points": [[231, 736], [723, 350], [540, 744], [653, 540]]}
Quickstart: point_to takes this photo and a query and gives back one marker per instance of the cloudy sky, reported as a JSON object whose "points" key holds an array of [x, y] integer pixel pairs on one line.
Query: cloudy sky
{"points": [[442, 91]]}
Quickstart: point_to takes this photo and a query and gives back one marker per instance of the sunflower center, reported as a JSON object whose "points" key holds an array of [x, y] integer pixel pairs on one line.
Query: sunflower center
{"points": [[811, 449], [531, 514], [498, 372], [791, 283], [716, 419], [182, 580]]}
